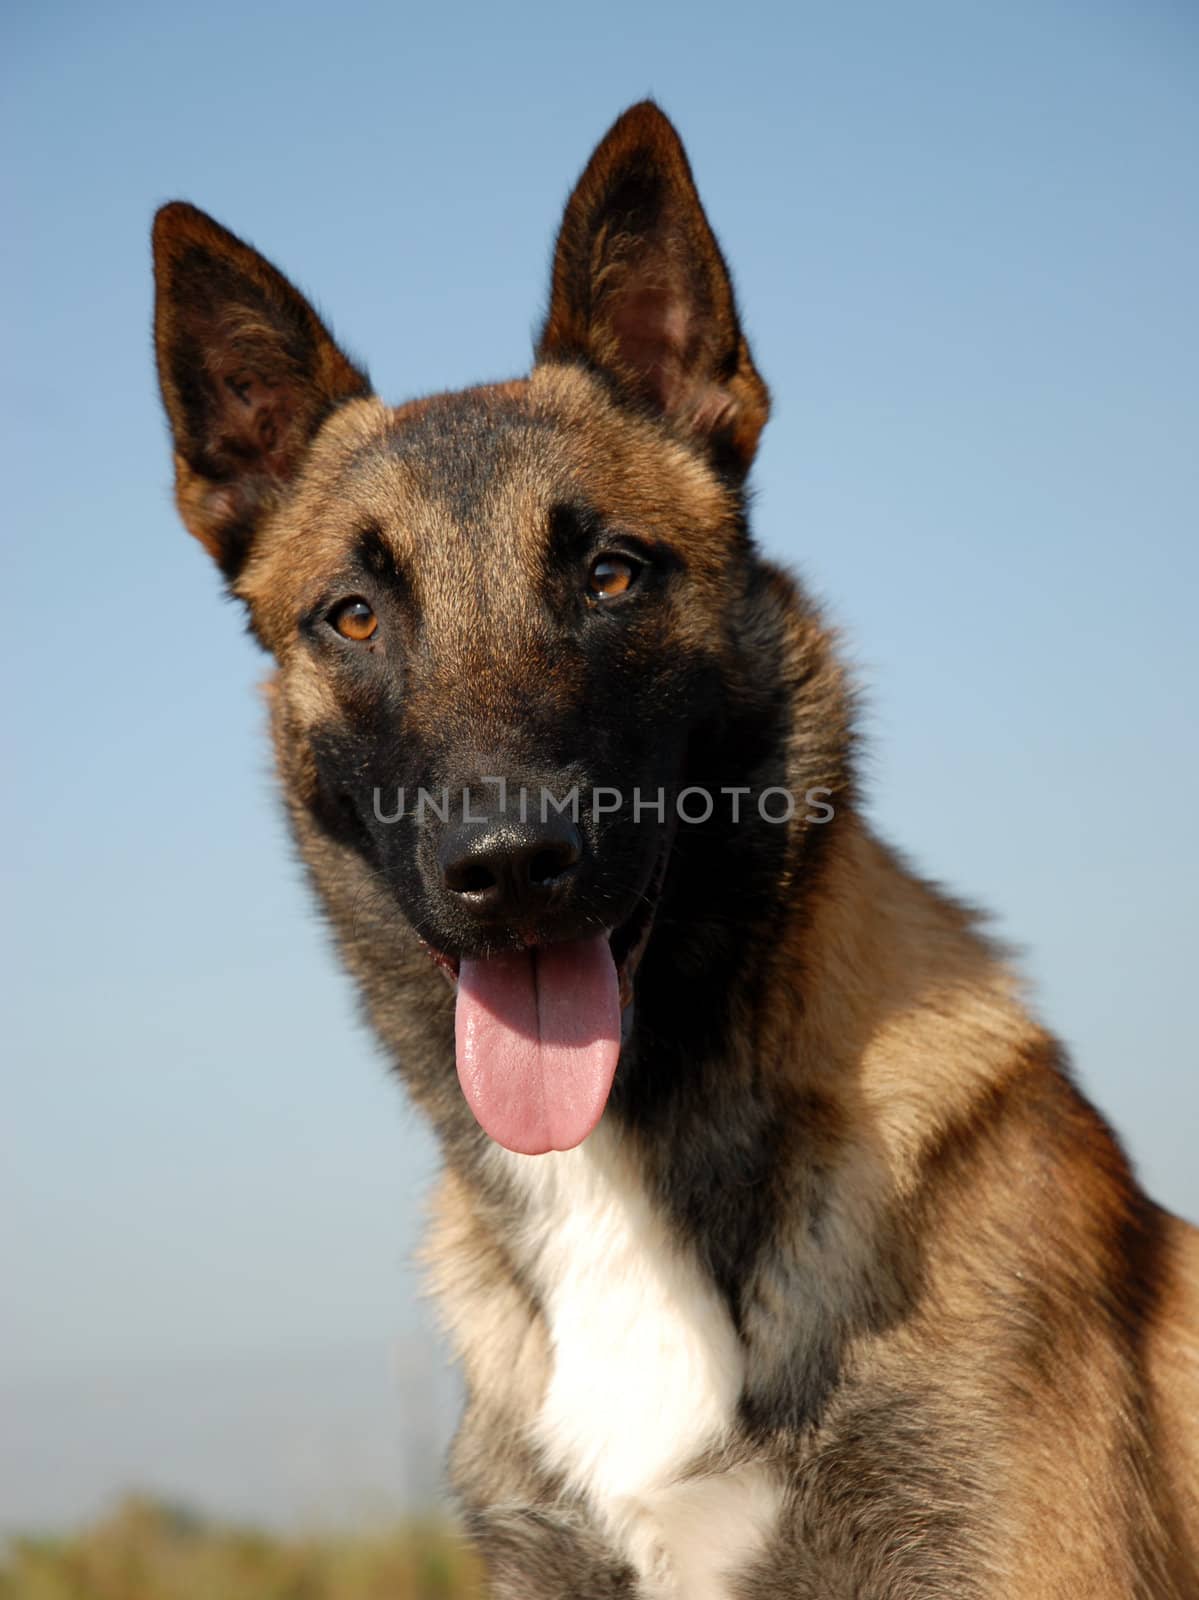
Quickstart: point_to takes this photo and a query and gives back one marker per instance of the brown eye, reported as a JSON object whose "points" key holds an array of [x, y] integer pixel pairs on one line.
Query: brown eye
{"points": [[355, 620], [611, 576]]}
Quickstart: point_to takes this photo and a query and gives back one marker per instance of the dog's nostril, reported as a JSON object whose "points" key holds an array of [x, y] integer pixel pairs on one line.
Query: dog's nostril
{"points": [[547, 865], [474, 878]]}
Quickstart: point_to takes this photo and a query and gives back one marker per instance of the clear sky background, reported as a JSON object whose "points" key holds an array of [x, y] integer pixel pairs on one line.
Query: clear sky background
{"points": [[966, 238]]}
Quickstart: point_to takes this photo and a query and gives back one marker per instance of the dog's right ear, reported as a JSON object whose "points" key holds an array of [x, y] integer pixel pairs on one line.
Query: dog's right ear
{"points": [[248, 373]]}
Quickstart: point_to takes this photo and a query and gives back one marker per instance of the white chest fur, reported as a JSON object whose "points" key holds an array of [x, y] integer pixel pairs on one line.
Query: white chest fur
{"points": [[646, 1372]]}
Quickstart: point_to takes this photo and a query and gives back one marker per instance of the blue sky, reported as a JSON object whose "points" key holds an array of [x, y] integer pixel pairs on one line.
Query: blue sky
{"points": [[966, 239]]}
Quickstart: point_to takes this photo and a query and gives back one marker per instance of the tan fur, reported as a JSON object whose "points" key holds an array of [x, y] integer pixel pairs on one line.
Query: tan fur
{"points": [[965, 1344], [920, 1029]]}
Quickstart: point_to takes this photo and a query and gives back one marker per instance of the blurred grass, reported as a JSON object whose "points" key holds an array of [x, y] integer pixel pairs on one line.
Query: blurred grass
{"points": [[149, 1551]]}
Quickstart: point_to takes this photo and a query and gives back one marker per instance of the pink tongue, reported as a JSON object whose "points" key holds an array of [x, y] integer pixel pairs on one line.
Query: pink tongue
{"points": [[538, 1036]]}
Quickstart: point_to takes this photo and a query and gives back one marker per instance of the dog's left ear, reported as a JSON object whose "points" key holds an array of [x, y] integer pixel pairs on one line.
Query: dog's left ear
{"points": [[248, 373], [641, 291]]}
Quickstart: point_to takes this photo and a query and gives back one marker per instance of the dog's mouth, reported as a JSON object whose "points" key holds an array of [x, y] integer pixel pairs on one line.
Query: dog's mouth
{"points": [[538, 1031]]}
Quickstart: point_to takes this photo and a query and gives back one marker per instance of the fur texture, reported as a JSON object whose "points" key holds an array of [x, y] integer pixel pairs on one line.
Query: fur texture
{"points": [[851, 1294]]}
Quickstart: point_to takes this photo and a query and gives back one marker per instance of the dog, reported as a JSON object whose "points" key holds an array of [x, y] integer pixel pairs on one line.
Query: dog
{"points": [[780, 1252]]}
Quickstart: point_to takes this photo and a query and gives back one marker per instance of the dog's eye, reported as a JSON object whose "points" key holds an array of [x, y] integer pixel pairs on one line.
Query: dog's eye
{"points": [[611, 576], [355, 620]]}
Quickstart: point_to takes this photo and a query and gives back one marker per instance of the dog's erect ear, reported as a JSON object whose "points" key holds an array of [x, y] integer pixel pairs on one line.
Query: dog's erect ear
{"points": [[641, 291], [248, 373]]}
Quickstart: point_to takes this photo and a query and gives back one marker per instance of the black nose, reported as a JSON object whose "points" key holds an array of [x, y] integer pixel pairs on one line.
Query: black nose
{"points": [[500, 869]]}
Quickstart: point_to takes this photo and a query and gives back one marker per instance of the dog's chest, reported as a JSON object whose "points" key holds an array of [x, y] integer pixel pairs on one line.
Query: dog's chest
{"points": [[646, 1373]]}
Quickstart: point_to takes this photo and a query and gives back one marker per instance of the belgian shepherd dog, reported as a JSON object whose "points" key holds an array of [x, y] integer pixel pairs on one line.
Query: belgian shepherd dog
{"points": [[781, 1254]]}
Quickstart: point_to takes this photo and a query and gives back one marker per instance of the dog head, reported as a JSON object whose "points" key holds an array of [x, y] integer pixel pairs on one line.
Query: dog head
{"points": [[509, 623]]}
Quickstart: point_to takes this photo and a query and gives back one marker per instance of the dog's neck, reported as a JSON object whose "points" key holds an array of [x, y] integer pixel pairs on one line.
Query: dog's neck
{"points": [[780, 1155]]}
